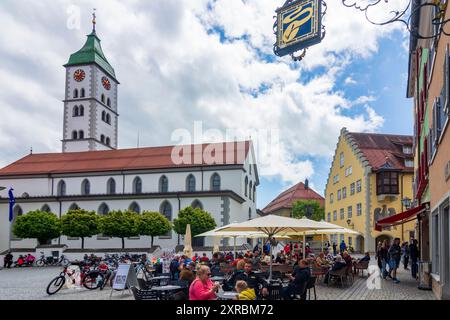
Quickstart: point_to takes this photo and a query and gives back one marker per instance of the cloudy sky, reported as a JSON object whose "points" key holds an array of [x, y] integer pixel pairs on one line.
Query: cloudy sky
{"points": [[181, 61]]}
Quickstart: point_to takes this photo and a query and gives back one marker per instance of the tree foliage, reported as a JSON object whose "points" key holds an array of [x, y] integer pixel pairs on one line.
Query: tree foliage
{"points": [[80, 223], [201, 221], [43, 226], [301, 207], [153, 224], [120, 224]]}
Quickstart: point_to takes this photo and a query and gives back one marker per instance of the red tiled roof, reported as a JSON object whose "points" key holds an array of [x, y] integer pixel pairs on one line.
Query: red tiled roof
{"points": [[125, 159], [293, 194], [383, 149]]}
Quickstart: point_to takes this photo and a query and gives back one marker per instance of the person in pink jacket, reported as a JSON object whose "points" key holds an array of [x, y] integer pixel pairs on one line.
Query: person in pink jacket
{"points": [[202, 288]]}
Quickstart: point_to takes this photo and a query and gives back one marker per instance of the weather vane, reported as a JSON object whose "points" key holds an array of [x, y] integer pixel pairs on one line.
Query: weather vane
{"points": [[94, 21]]}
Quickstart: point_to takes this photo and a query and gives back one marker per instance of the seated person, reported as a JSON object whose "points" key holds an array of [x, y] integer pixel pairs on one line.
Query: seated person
{"points": [[299, 280], [265, 259], [279, 258], [204, 258], [366, 258], [257, 283], [245, 293], [347, 258], [236, 261], [321, 261], [256, 260], [187, 274], [230, 284], [338, 265]]}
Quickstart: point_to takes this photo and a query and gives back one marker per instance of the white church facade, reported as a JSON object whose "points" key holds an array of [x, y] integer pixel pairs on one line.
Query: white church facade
{"points": [[93, 174]]}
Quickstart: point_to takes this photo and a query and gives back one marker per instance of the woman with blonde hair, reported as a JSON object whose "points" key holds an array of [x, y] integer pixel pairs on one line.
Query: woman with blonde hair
{"points": [[202, 288]]}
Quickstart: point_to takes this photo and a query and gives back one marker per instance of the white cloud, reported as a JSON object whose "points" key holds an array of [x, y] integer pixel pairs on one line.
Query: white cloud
{"points": [[349, 81], [174, 70]]}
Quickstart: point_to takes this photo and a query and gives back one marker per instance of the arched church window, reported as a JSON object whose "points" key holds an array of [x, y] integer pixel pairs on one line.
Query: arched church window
{"points": [[83, 93], [74, 135], [103, 116], [46, 208], [108, 141], [190, 183], [215, 182], [73, 207], [75, 111], [103, 210], [103, 98], [246, 185], [108, 102], [250, 189], [81, 111], [137, 185], [85, 187], [102, 138], [108, 118], [134, 207], [197, 204], [166, 210], [81, 134], [17, 212], [163, 184], [111, 186], [61, 188], [75, 93]]}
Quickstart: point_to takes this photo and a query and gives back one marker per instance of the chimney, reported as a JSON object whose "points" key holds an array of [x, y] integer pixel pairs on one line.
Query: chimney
{"points": [[306, 184]]}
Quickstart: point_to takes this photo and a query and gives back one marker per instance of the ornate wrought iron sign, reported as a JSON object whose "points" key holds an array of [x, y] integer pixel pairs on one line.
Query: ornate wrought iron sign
{"points": [[298, 26]]}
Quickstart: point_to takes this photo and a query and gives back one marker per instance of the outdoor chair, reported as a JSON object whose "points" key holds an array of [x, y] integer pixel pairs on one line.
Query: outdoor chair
{"points": [[318, 272], [349, 274], [361, 267], [144, 294], [311, 285], [338, 275], [274, 292], [143, 285]]}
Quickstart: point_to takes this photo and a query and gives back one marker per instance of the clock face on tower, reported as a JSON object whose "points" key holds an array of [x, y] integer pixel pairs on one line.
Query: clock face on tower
{"points": [[79, 75], [106, 83]]}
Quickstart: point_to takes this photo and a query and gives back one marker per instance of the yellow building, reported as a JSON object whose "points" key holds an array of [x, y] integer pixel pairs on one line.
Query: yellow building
{"points": [[369, 177]]}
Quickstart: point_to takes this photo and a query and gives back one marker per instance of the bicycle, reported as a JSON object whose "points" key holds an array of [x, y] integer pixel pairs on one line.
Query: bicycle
{"points": [[90, 279]]}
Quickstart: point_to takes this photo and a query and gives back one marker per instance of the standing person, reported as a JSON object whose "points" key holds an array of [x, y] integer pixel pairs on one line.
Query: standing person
{"points": [[384, 258], [414, 255], [343, 247], [405, 253], [8, 260], [334, 249], [378, 256], [202, 288], [394, 254], [174, 268]]}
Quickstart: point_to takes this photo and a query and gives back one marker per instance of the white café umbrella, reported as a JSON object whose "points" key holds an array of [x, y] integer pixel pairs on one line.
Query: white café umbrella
{"points": [[272, 225], [232, 234], [188, 242]]}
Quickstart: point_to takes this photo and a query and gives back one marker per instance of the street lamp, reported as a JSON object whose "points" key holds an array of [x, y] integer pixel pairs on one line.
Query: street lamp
{"points": [[407, 202]]}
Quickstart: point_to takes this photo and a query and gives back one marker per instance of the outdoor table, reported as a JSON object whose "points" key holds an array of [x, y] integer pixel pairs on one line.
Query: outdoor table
{"points": [[165, 290], [227, 295], [218, 279], [158, 279]]}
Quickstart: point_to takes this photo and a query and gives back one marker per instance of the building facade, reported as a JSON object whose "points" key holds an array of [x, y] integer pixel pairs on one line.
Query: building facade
{"points": [[282, 204], [429, 85], [92, 174], [369, 176]]}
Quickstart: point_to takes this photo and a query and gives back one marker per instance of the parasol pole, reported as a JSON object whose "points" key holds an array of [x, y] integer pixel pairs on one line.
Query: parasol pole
{"points": [[321, 244], [235, 253], [304, 245]]}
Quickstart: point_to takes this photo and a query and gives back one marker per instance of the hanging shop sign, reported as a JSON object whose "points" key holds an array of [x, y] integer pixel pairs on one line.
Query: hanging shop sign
{"points": [[298, 26]]}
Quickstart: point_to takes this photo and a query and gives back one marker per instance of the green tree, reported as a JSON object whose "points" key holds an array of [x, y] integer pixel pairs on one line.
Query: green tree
{"points": [[200, 221], [43, 226], [300, 209], [120, 224], [80, 224], [153, 224]]}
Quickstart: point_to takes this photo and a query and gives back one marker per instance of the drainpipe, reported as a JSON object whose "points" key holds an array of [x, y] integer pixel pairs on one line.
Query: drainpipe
{"points": [[123, 182], [201, 168], [179, 208], [60, 212], [401, 201]]}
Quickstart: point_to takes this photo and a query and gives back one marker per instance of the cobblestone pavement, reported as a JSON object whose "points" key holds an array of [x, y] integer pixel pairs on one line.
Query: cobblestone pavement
{"points": [[31, 283], [386, 290]]}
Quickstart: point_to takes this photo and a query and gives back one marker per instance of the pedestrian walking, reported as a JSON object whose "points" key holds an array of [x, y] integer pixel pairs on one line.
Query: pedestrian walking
{"points": [[405, 254], [414, 255], [383, 256], [394, 254], [334, 249], [343, 247], [8, 260], [378, 255]]}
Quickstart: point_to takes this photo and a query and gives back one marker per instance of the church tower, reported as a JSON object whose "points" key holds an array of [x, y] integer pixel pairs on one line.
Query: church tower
{"points": [[90, 104]]}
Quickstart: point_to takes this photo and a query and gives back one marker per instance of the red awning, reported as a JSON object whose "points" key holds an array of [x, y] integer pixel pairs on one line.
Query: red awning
{"points": [[399, 218]]}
